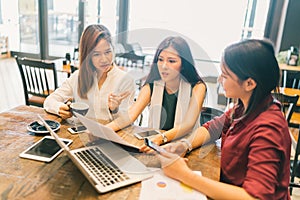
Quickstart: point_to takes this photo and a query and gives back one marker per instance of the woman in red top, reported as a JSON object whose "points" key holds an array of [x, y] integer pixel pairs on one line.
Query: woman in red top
{"points": [[255, 137]]}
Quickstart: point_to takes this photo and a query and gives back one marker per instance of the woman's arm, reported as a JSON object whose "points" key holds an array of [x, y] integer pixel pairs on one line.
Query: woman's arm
{"points": [[57, 99], [126, 118], [191, 117], [127, 84], [123, 96], [178, 169]]}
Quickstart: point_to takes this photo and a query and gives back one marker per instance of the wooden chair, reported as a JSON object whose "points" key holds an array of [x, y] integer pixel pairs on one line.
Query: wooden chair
{"points": [[119, 48], [136, 48], [293, 118], [76, 53], [39, 79], [296, 80], [208, 113]]}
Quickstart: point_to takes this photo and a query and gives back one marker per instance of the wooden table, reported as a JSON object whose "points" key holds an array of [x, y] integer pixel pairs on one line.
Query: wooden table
{"points": [[60, 179], [285, 68]]}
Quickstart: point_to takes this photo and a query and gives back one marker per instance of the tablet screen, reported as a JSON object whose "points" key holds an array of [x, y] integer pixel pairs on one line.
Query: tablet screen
{"points": [[45, 149]]}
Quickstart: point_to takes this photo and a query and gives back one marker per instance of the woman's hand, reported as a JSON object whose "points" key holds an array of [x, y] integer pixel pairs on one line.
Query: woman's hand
{"points": [[115, 100], [178, 148], [173, 165], [156, 139], [64, 110]]}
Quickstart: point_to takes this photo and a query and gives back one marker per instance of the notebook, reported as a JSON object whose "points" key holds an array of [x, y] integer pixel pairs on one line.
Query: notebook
{"points": [[106, 166]]}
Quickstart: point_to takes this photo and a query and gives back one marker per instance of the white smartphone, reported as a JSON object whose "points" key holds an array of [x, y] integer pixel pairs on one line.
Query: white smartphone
{"points": [[78, 129], [46, 149], [146, 134], [154, 146]]}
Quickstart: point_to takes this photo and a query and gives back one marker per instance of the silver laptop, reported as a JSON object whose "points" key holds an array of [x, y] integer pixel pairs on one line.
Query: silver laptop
{"points": [[105, 165]]}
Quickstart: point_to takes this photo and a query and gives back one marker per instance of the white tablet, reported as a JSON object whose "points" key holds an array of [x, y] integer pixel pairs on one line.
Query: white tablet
{"points": [[46, 149]]}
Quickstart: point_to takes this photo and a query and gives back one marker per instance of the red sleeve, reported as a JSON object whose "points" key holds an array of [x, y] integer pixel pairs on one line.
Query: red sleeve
{"points": [[267, 157], [218, 125]]}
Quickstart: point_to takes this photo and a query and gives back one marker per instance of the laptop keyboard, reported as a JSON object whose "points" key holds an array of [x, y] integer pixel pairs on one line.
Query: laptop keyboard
{"points": [[105, 171]]}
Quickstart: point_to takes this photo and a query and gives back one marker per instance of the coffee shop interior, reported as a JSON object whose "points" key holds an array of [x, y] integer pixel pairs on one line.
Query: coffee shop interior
{"points": [[50, 30]]}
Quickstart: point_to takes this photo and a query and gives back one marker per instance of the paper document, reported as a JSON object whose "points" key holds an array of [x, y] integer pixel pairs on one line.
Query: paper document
{"points": [[164, 188], [102, 131]]}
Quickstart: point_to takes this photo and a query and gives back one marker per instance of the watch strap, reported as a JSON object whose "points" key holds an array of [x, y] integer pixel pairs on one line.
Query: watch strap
{"points": [[188, 144]]}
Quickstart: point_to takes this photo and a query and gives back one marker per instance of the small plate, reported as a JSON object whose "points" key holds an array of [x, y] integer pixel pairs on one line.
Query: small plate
{"points": [[35, 127]]}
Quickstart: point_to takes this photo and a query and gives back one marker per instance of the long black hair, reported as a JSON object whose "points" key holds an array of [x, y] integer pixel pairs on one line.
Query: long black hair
{"points": [[253, 58], [188, 70]]}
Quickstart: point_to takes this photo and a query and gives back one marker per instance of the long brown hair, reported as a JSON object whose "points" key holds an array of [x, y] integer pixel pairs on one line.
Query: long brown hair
{"points": [[88, 41]]}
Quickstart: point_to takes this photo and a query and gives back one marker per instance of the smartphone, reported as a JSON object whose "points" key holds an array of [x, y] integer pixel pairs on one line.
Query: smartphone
{"points": [[145, 134], [46, 149], [78, 129], [154, 146]]}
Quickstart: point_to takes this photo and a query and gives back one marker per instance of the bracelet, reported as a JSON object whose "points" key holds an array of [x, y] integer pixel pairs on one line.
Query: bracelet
{"points": [[114, 111], [164, 138], [189, 145]]}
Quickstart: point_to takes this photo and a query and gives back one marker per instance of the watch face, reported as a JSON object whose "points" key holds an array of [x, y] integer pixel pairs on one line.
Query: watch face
{"points": [[165, 139]]}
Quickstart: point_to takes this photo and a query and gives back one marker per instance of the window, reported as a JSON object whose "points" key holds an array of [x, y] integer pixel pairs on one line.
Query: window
{"points": [[104, 12], [63, 21], [1, 21], [29, 26], [208, 26]]}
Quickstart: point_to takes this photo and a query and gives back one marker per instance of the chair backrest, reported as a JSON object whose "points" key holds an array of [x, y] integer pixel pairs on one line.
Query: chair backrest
{"points": [[39, 78], [119, 48], [136, 48], [130, 60], [76, 53], [208, 113], [296, 80], [289, 104]]}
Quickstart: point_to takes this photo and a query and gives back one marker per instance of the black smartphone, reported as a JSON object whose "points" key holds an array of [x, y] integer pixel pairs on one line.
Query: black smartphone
{"points": [[78, 129], [154, 146], [144, 134]]}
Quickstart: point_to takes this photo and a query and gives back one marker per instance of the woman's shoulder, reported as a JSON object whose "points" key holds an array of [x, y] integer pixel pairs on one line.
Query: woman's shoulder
{"points": [[272, 119], [74, 76], [198, 87], [200, 84]]}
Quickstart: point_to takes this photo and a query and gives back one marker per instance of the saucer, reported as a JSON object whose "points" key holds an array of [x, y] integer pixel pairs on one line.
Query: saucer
{"points": [[36, 127]]}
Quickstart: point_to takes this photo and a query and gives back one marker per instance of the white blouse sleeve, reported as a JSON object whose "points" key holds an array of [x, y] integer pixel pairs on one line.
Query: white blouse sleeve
{"points": [[61, 94], [126, 83]]}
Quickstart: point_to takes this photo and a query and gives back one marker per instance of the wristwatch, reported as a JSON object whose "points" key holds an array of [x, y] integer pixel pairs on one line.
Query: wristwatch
{"points": [[188, 144], [164, 138]]}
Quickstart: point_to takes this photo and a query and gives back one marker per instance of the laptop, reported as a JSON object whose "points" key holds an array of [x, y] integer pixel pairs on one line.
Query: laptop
{"points": [[106, 165]]}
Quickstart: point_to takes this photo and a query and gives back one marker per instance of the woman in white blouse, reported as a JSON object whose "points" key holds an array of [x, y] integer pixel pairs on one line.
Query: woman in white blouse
{"points": [[98, 82]]}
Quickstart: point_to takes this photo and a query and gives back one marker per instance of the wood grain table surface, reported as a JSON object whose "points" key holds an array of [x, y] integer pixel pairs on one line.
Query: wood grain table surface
{"points": [[60, 179]]}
